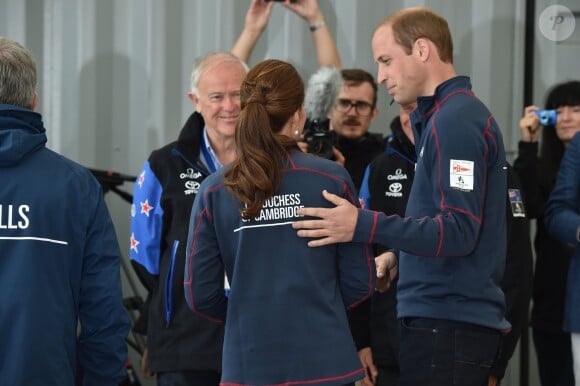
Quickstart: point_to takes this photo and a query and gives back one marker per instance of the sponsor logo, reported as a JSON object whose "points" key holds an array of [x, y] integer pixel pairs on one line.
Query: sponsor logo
{"points": [[193, 181], [461, 174], [395, 190], [397, 176]]}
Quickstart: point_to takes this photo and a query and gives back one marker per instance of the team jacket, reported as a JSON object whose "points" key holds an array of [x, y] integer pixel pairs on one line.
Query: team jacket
{"points": [[385, 188], [59, 265], [563, 221], [286, 321], [177, 339], [454, 232], [381, 182]]}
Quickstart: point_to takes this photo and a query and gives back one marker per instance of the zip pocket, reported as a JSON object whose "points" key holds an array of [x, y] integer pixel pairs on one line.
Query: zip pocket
{"points": [[168, 284]]}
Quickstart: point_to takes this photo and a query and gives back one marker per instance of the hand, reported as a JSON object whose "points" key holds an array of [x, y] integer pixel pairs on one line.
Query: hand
{"points": [[387, 270], [336, 225], [530, 128], [492, 381], [371, 372], [256, 20], [144, 365], [303, 146], [338, 156], [258, 15], [306, 9]]}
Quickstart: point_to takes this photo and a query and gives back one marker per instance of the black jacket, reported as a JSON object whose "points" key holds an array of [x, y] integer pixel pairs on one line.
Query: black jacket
{"points": [[386, 187], [552, 257], [517, 278], [177, 339], [358, 153]]}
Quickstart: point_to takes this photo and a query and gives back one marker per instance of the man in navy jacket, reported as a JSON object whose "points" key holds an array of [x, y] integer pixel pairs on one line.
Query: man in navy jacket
{"points": [[453, 238], [59, 259]]}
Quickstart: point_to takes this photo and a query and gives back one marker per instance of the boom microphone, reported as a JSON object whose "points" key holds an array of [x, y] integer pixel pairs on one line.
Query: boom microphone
{"points": [[320, 97], [322, 92]]}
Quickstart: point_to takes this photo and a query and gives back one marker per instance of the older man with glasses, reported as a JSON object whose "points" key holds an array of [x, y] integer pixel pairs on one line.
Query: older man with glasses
{"points": [[351, 118]]}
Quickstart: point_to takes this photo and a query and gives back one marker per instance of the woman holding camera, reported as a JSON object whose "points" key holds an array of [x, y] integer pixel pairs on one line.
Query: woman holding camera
{"points": [[538, 174]]}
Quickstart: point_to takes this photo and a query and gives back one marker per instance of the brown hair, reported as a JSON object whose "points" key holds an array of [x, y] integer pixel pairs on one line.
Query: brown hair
{"points": [[270, 94], [410, 24], [356, 77]]}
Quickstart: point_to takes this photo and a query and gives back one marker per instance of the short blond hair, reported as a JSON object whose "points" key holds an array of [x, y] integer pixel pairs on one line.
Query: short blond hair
{"points": [[205, 62]]}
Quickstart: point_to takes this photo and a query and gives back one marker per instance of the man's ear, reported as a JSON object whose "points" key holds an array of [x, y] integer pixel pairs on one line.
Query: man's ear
{"points": [[422, 49], [194, 99], [34, 102], [374, 113]]}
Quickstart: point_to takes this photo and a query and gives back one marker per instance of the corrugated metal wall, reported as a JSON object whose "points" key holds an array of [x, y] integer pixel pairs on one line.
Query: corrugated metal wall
{"points": [[114, 73]]}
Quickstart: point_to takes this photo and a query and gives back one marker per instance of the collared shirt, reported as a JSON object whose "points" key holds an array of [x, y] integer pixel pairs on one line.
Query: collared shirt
{"points": [[209, 159]]}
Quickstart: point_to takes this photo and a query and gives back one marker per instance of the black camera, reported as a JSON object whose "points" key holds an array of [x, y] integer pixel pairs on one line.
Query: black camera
{"points": [[320, 139], [547, 117]]}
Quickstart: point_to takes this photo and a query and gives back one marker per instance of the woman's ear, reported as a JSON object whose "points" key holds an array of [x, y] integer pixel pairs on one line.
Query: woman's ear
{"points": [[300, 117]]}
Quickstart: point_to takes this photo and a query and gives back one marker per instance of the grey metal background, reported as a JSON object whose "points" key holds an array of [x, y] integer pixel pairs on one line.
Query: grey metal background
{"points": [[114, 73]]}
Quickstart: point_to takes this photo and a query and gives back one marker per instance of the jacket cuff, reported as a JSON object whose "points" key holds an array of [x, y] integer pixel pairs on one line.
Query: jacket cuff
{"points": [[359, 322], [364, 230]]}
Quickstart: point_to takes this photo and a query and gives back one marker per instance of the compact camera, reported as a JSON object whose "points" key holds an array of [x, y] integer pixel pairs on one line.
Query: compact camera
{"points": [[320, 138], [547, 117]]}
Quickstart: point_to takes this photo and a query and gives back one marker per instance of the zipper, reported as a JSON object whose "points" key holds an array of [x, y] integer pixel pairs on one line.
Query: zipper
{"points": [[169, 284], [195, 166]]}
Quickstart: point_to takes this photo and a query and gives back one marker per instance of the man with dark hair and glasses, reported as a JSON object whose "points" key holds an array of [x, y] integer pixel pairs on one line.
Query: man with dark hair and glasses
{"points": [[351, 118]]}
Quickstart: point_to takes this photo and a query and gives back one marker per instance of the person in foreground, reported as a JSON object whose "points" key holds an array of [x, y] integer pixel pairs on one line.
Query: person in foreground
{"points": [[563, 222], [60, 259], [378, 342], [285, 316], [453, 238]]}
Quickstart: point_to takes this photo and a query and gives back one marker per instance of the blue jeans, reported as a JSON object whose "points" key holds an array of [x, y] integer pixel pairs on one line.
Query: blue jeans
{"points": [[438, 352], [188, 378]]}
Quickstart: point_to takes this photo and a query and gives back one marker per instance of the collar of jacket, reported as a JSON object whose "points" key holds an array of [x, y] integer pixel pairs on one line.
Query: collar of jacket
{"points": [[400, 142], [21, 133], [190, 137], [426, 105]]}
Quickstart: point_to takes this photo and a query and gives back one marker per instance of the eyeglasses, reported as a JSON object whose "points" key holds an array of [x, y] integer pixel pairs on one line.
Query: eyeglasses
{"points": [[362, 108]]}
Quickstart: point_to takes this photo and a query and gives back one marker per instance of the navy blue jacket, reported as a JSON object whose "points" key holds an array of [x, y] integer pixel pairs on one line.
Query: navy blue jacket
{"points": [[454, 235], [563, 221], [286, 312], [59, 265]]}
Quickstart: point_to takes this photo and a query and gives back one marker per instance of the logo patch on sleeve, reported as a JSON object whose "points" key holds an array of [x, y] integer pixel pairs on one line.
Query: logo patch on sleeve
{"points": [[461, 174]]}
